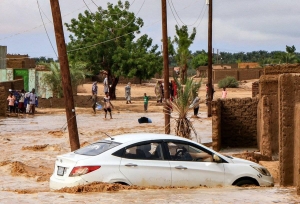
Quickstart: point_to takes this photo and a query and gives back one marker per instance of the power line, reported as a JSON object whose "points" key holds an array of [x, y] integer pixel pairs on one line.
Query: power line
{"points": [[173, 13], [202, 17], [37, 1]]}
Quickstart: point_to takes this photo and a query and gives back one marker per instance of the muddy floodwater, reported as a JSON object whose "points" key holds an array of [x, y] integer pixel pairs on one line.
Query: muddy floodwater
{"points": [[30, 145]]}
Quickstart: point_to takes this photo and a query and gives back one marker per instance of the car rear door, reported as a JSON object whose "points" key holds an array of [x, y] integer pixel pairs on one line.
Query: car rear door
{"points": [[192, 165], [143, 164]]}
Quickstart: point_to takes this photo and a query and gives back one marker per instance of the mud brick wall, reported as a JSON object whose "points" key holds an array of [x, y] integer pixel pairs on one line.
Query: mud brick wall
{"points": [[289, 116], [255, 89], [282, 68], [297, 147], [221, 74], [216, 125], [239, 74], [268, 86], [3, 102], [238, 122]]}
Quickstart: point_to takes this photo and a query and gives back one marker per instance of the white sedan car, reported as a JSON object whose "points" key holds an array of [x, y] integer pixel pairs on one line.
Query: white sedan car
{"points": [[147, 159]]}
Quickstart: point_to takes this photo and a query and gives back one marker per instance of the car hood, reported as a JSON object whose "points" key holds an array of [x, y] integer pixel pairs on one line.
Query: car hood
{"points": [[242, 161]]}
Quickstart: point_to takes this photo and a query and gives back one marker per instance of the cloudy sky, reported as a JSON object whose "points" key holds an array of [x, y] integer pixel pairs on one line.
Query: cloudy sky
{"points": [[238, 25]]}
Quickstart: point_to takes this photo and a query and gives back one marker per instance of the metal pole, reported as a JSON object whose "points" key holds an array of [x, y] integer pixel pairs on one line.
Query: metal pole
{"points": [[65, 75], [166, 65], [210, 93]]}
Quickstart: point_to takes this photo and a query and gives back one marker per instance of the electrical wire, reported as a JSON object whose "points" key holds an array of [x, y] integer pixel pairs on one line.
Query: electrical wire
{"points": [[180, 18], [87, 6], [37, 1], [202, 17], [173, 13]]}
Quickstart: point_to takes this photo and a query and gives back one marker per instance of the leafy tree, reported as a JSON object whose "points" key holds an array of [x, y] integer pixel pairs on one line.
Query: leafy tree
{"points": [[138, 59], [200, 59], [39, 60], [103, 40], [183, 41]]}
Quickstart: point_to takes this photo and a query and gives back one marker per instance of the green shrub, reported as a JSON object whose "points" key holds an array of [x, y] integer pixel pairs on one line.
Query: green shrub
{"points": [[228, 82]]}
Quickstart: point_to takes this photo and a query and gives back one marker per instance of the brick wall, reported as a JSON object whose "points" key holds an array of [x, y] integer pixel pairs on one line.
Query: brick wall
{"points": [[289, 115], [3, 102], [282, 68], [239, 74], [238, 122], [255, 89]]}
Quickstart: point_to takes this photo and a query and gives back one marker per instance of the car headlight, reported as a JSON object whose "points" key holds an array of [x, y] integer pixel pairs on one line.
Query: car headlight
{"points": [[261, 170]]}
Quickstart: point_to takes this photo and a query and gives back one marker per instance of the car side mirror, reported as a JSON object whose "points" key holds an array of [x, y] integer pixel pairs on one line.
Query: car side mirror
{"points": [[217, 159]]}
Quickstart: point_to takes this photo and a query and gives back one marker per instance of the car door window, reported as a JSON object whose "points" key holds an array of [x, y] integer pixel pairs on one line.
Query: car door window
{"points": [[188, 152], [148, 151]]}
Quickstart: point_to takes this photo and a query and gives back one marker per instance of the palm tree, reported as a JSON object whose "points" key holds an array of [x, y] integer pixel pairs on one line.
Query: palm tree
{"points": [[181, 105], [78, 74]]}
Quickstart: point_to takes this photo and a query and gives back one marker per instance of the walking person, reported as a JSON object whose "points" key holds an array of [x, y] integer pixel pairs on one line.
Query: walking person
{"points": [[128, 93], [107, 105], [32, 101], [224, 93], [95, 88], [146, 99], [11, 102], [195, 105]]}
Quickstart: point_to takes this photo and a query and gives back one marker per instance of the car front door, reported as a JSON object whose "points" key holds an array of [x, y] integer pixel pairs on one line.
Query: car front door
{"points": [[143, 164], [192, 165]]}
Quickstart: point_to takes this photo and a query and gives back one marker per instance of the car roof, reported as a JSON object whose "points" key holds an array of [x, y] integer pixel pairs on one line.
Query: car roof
{"points": [[139, 137]]}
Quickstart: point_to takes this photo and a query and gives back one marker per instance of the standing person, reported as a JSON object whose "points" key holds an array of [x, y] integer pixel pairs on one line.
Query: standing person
{"points": [[157, 92], [195, 105], [32, 100], [94, 102], [128, 93], [21, 105], [11, 102], [224, 93], [146, 99], [105, 84], [95, 88], [107, 105], [162, 91]]}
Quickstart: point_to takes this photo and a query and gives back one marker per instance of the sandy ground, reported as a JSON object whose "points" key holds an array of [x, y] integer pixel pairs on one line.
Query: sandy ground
{"points": [[30, 145]]}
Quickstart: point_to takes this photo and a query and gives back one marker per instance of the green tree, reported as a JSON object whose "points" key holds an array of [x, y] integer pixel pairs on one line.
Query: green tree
{"points": [[183, 41], [200, 59], [181, 105], [139, 59], [103, 40], [78, 73]]}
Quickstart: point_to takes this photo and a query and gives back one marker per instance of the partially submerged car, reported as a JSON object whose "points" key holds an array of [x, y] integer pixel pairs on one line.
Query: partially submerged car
{"points": [[148, 159]]}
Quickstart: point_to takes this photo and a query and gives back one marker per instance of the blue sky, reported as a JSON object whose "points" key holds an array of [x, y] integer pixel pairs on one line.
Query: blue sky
{"points": [[238, 25]]}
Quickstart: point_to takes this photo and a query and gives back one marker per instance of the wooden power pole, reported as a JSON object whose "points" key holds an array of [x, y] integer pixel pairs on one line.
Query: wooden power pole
{"points": [[166, 65], [65, 75], [209, 74]]}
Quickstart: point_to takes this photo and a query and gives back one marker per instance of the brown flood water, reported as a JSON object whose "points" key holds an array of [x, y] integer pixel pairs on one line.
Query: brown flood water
{"points": [[29, 147]]}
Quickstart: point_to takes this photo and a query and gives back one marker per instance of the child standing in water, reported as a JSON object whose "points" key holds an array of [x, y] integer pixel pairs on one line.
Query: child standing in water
{"points": [[107, 105], [146, 99]]}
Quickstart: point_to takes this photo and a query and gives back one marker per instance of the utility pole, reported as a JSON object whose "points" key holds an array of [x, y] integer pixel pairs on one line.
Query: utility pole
{"points": [[166, 65], [209, 74], [65, 75]]}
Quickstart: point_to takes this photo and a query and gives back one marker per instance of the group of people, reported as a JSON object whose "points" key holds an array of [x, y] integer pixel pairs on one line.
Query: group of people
{"points": [[106, 99], [159, 91], [20, 101]]}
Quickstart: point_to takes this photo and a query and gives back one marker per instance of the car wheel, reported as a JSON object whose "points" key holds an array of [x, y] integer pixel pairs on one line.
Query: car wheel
{"points": [[245, 183]]}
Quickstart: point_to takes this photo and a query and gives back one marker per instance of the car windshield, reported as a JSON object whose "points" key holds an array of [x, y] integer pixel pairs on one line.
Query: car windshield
{"points": [[97, 148]]}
